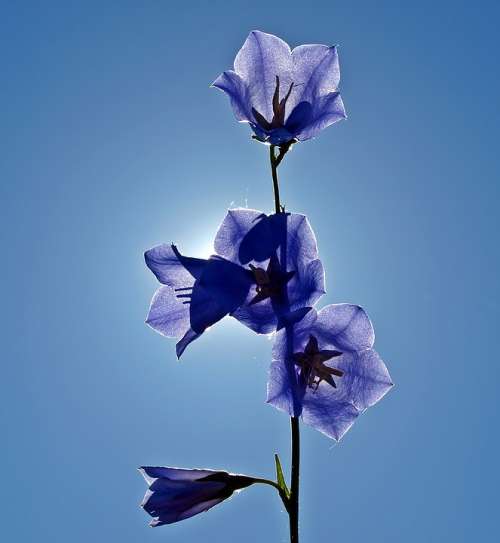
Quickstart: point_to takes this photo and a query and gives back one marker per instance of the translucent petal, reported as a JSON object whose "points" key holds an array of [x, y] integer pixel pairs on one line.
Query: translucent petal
{"points": [[366, 378], [220, 290], [175, 474], [324, 412], [316, 72], [167, 314], [176, 494], [232, 84], [236, 224], [283, 391], [294, 338], [325, 111], [171, 268], [188, 338], [345, 327], [262, 58]]}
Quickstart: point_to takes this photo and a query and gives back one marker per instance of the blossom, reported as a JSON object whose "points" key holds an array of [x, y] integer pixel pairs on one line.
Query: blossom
{"points": [[285, 95], [196, 294], [176, 494], [325, 370], [281, 252]]}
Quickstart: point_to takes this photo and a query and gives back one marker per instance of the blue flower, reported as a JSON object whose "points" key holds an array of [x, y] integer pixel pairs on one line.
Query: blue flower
{"points": [[176, 494], [325, 370], [265, 273], [281, 252], [285, 95], [196, 294]]}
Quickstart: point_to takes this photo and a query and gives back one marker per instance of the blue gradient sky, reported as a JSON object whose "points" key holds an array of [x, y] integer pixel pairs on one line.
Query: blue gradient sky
{"points": [[112, 142]]}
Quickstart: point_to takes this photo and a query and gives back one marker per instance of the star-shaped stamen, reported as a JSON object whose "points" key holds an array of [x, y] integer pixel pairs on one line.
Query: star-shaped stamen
{"points": [[312, 362], [270, 282]]}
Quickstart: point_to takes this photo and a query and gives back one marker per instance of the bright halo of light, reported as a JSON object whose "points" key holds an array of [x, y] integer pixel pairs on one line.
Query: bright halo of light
{"points": [[204, 250]]}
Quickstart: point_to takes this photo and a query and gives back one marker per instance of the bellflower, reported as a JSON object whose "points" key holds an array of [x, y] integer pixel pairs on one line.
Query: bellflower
{"points": [[284, 95], [325, 370], [196, 294], [281, 252], [176, 494]]}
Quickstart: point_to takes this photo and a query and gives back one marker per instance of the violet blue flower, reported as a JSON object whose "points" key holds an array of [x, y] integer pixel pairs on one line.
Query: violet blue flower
{"points": [[176, 494], [325, 370], [282, 254], [196, 294], [285, 95]]}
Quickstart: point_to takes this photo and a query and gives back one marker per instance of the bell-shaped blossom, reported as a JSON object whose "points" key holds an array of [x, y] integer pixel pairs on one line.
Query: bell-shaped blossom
{"points": [[196, 294], [284, 94], [176, 494], [280, 251], [325, 370]]}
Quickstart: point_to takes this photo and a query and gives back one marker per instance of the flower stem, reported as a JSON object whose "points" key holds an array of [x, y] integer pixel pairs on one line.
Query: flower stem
{"points": [[293, 510], [276, 187], [292, 502]]}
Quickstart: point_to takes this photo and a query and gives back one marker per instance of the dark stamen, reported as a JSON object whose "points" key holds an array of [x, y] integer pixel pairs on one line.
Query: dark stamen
{"points": [[279, 109]]}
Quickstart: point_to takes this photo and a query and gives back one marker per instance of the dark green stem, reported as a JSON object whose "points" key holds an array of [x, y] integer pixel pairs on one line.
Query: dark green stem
{"points": [[292, 501], [275, 162], [293, 510], [276, 187]]}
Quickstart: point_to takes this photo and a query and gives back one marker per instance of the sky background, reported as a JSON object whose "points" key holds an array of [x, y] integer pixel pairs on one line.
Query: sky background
{"points": [[112, 142]]}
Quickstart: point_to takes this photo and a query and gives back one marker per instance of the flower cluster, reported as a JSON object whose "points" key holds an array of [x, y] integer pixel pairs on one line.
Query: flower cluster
{"points": [[266, 273]]}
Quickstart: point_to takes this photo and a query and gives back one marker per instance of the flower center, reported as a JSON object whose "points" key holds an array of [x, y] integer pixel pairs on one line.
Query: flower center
{"points": [[312, 364], [270, 283], [278, 120]]}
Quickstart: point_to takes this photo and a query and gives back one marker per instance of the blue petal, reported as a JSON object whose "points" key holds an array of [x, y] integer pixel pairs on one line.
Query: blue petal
{"points": [[297, 252], [279, 136], [366, 378], [292, 317], [322, 409], [324, 412], [221, 289], [186, 339], [248, 236], [326, 110], [261, 317], [300, 336], [301, 247], [175, 494], [234, 227], [283, 391], [199, 508], [173, 501], [167, 314], [316, 104], [171, 268], [307, 285], [175, 474], [204, 291], [345, 327], [299, 118], [316, 72], [237, 90], [262, 58]]}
